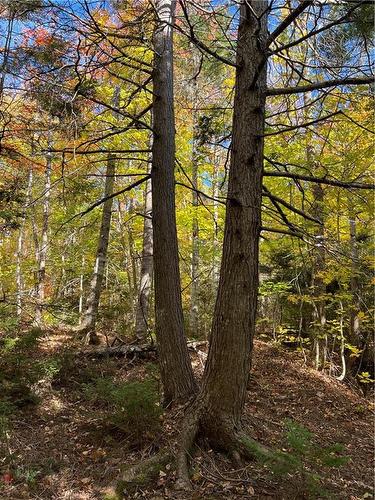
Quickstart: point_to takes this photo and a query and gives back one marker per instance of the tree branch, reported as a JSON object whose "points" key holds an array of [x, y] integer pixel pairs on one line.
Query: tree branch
{"points": [[288, 20], [102, 200], [317, 31], [303, 125], [320, 85], [198, 43], [281, 231], [291, 207], [321, 180]]}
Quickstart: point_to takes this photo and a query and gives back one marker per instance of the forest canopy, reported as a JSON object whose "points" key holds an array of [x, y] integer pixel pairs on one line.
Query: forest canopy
{"points": [[187, 180]]}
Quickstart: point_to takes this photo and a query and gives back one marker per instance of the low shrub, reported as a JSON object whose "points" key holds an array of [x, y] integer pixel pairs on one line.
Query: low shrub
{"points": [[134, 407], [302, 457]]}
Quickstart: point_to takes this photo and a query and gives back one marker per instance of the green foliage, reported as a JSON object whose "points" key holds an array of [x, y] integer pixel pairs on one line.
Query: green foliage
{"points": [[301, 458], [22, 8], [11, 200], [299, 438], [269, 288], [18, 371], [365, 378], [19, 344], [29, 475], [134, 407]]}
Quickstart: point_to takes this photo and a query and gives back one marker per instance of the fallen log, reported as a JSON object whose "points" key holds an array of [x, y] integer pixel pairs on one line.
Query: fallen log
{"points": [[144, 351]]}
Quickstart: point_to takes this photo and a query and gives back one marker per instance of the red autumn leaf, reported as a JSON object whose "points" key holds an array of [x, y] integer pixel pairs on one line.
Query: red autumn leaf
{"points": [[8, 478]]}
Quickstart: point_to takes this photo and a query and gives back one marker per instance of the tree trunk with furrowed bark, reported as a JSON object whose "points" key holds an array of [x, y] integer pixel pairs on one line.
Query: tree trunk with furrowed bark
{"points": [[218, 408], [175, 367]]}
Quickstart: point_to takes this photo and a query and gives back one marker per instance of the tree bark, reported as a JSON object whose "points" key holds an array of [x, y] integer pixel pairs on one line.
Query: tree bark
{"points": [[89, 318], [235, 310], [132, 253], [88, 323], [194, 288], [141, 317], [175, 367], [218, 408]]}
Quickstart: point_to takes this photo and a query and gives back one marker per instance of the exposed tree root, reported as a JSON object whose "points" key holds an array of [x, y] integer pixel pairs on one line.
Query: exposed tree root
{"points": [[221, 436], [139, 475], [189, 433]]}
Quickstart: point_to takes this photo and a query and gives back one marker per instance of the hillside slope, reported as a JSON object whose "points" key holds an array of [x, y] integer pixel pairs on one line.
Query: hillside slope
{"points": [[63, 448]]}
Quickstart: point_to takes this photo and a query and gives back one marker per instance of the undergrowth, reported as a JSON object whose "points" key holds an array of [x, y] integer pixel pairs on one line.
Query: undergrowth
{"points": [[302, 458], [133, 407]]}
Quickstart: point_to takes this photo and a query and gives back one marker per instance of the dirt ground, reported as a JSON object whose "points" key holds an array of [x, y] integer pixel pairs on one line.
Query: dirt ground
{"points": [[61, 450]]}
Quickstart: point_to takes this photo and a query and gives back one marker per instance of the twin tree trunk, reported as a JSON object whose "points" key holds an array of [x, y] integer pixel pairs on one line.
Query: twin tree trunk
{"points": [[235, 309], [175, 367], [218, 408]]}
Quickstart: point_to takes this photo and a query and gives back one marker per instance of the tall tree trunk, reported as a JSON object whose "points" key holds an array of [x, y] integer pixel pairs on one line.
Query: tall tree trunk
{"points": [[88, 323], [20, 241], [132, 253], [80, 301], [175, 367], [194, 288], [218, 408], [319, 313], [125, 249], [342, 344], [43, 244], [355, 323], [215, 195], [145, 282]]}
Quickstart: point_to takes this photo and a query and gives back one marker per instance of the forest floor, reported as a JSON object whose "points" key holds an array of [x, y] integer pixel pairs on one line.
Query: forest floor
{"points": [[62, 447]]}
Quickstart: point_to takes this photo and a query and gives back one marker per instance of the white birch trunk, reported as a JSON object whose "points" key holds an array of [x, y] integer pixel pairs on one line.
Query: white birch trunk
{"points": [[20, 252]]}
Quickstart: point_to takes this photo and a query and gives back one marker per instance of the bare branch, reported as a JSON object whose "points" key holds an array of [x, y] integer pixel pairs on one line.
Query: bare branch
{"points": [[320, 85], [288, 20], [321, 180], [102, 200], [281, 231], [291, 207], [303, 125]]}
